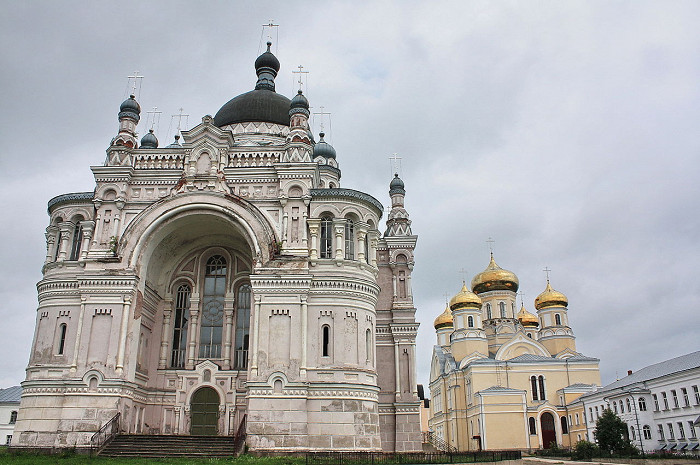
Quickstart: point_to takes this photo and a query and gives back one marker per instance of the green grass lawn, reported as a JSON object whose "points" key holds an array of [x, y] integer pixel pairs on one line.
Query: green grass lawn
{"points": [[70, 459]]}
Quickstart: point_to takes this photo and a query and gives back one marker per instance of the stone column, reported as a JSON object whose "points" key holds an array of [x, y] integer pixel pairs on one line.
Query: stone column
{"points": [[88, 229], [373, 249], [285, 229], [304, 235], [66, 229], [361, 238], [176, 426], [339, 228], [192, 333], [123, 330], [314, 225], [304, 335], [165, 338], [256, 325], [51, 233], [78, 335], [228, 329], [397, 373]]}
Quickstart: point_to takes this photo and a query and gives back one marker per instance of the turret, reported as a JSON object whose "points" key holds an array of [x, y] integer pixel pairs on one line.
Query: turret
{"points": [[529, 322], [398, 223], [443, 327], [555, 333], [129, 116], [469, 336]]}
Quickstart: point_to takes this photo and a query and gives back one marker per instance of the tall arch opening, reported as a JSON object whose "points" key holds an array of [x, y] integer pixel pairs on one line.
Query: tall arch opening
{"points": [[204, 412]]}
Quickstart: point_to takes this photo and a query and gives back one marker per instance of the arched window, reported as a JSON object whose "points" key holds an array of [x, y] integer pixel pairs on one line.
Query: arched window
{"points": [[502, 307], [541, 383], [470, 321], [242, 326], [326, 237], [59, 237], [634, 436], [642, 404], [213, 308], [615, 406], [13, 417], [368, 346], [532, 424], [533, 385], [488, 311], [62, 338], [77, 239], [349, 240], [367, 257], [557, 319], [646, 430], [326, 341], [564, 426], [629, 406], [182, 309]]}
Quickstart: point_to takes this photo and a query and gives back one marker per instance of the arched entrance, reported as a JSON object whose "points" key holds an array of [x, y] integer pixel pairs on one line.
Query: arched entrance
{"points": [[204, 411], [549, 434]]}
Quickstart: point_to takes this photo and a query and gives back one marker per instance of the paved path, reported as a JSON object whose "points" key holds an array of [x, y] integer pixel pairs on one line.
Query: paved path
{"points": [[571, 462]]}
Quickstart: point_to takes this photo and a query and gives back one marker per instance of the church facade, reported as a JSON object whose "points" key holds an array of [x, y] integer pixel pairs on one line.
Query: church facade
{"points": [[507, 379], [226, 281]]}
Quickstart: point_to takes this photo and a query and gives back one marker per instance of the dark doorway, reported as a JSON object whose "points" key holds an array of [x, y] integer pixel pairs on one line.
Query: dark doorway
{"points": [[549, 434], [205, 412]]}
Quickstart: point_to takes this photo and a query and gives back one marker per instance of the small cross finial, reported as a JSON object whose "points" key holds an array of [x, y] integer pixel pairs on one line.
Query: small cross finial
{"points": [[269, 25], [153, 113], [322, 113], [300, 73], [395, 161], [490, 242], [546, 271], [522, 298], [447, 296], [137, 83], [464, 273]]}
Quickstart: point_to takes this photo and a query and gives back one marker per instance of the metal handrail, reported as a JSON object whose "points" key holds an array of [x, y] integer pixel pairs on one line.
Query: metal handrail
{"points": [[438, 442], [105, 434]]}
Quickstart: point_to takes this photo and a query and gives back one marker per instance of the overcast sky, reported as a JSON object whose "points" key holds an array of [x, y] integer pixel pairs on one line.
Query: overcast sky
{"points": [[567, 131]]}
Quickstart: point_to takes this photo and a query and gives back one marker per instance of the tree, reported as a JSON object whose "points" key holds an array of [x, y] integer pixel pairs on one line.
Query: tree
{"points": [[611, 433]]}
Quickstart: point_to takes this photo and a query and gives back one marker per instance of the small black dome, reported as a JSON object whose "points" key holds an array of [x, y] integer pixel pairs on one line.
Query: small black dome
{"points": [[323, 149], [149, 141], [299, 101], [256, 105], [267, 60], [396, 186], [130, 108]]}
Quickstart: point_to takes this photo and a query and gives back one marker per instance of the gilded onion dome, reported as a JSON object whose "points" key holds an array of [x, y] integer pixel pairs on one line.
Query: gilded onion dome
{"points": [[444, 320], [526, 318], [550, 298], [495, 278], [465, 298]]}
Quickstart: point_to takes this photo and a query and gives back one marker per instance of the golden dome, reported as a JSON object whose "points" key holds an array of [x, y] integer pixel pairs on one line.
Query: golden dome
{"points": [[494, 278], [444, 320], [550, 298], [526, 318], [465, 298]]}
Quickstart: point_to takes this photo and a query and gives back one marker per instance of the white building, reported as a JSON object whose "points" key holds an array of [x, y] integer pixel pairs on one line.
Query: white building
{"points": [[660, 404], [223, 277], [9, 406]]}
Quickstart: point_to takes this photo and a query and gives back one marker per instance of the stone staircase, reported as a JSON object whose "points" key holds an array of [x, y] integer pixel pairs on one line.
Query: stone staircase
{"points": [[138, 445]]}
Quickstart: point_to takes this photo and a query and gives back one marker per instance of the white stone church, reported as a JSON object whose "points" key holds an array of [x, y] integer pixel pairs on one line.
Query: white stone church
{"points": [[225, 280]]}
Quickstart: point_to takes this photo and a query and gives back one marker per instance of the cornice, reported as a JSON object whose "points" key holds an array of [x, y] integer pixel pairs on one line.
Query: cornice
{"points": [[345, 194], [75, 197]]}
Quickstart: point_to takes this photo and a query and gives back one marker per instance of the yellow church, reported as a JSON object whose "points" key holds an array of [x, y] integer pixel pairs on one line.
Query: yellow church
{"points": [[502, 378]]}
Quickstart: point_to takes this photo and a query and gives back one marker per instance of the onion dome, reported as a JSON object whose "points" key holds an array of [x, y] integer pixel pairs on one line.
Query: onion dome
{"points": [[396, 185], [444, 320], [299, 104], [267, 60], [130, 108], [176, 144], [149, 141], [495, 278], [527, 319], [550, 298], [465, 299], [323, 148], [262, 104]]}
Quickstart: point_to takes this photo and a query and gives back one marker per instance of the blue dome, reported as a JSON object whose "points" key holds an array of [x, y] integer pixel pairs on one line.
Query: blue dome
{"points": [[323, 149], [396, 185], [130, 108], [149, 141]]}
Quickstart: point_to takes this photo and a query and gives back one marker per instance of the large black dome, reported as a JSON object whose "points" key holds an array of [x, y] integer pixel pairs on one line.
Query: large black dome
{"points": [[256, 105]]}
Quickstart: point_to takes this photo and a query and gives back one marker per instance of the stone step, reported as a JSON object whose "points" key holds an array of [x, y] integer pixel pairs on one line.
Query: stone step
{"points": [[132, 445]]}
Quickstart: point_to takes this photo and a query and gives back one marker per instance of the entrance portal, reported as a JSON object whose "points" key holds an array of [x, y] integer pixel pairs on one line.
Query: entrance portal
{"points": [[549, 434], [204, 409]]}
